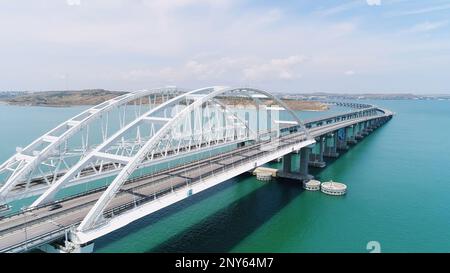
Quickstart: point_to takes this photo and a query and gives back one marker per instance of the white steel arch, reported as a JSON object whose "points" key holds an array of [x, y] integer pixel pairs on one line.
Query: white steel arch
{"points": [[199, 97], [26, 160]]}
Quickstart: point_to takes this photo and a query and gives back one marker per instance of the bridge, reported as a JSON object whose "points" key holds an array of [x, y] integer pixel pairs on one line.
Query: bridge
{"points": [[140, 152]]}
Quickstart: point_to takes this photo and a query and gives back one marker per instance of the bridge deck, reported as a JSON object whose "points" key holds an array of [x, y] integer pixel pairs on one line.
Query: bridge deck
{"points": [[39, 184], [47, 219]]}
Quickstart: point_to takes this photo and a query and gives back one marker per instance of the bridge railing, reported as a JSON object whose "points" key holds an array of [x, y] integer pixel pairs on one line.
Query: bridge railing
{"points": [[340, 115], [290, 140], [99, 189], [39, 240], [286, 141]]}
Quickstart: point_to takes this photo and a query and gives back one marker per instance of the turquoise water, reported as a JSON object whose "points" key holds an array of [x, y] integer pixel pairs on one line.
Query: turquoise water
{"points": [[20, 125], [398, 194]]}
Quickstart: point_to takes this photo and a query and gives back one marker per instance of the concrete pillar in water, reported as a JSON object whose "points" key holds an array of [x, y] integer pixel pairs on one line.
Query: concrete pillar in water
{"points": [[322, 147], [342, 139], [287, 165], [364, 128], [335, 142], [304, 159], [302, 173], [350, 134], [377, 123], [368, 128], [359, 131], [331, 145], [316, 157]]}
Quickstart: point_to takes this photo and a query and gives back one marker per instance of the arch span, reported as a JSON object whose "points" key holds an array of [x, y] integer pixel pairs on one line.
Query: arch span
{"points": [[199, 97], [19, 167]]}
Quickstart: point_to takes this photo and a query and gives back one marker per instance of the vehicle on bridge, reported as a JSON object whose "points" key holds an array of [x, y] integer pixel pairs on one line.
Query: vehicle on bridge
{"points": [[165, 145]]}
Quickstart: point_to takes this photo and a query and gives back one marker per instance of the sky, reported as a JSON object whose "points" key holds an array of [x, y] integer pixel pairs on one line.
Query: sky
{"points": [[298, 46]]}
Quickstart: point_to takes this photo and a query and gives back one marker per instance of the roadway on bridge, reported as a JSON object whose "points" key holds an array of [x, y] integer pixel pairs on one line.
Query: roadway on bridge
{"points": [[71, 211]]}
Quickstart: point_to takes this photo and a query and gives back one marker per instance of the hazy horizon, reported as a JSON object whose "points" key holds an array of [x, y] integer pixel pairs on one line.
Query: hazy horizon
{"points": [[347, 47], [273, 91]]}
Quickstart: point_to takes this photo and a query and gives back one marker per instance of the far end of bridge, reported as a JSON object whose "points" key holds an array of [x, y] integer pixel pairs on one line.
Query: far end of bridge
{"points": [[167, 145]]}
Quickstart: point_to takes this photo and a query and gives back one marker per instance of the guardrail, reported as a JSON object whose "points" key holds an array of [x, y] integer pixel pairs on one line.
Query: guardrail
{"points": [[102, 188], [297, 137], [39, 240], [189, 182]]}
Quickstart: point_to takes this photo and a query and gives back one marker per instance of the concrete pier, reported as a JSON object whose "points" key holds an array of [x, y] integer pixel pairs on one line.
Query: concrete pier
{"points": [[350, 134], [302, 173], [53, 224], [331, 145], [358, 135], [287, 163], [316, 157], [341, 139], [304, 160]]}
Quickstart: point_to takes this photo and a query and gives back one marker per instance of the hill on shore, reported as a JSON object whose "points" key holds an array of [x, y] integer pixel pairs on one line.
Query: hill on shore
{"points": [[63, 98], [97, 96]]}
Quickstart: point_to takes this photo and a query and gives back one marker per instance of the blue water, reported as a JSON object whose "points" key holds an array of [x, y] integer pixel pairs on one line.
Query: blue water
{"points": [[20, 125], [398, 194]]}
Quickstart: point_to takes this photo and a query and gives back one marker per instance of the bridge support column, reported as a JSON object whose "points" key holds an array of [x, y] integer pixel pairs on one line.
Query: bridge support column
{"points": [[316, 157], [350, 134], [331, 145], [304, 162], [358, 134], [370, 126], [341, 139], [302, 173], [287, 163], [365, 131], [376, 123]]}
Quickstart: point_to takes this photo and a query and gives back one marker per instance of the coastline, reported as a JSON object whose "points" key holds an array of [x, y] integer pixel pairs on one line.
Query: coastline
{"points": [[297, 105]]}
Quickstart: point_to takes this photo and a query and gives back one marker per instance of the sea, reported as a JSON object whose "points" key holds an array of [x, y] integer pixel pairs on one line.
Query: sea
{"points": [[398, 196]]}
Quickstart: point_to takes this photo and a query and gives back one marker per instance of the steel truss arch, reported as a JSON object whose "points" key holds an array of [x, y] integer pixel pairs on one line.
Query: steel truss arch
{"points": [[199, 97], [26, 160], [100, 151]]}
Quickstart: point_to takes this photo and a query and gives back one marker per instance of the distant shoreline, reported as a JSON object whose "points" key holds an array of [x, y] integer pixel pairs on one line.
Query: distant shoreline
{"points": [[63, 99]]}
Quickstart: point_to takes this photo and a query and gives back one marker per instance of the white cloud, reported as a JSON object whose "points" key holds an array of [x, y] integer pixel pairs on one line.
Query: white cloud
{"points": [[215, 70], [134, 44], [349, 72], [211, 70], [73, 2], [427, 26], [422, 10], [339, 8], [373, 2], [271, 16], [275, 69]]}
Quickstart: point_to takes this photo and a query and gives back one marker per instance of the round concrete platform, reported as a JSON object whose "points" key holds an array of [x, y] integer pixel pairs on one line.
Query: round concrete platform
{"points": [[311, 185], [333, 188]]}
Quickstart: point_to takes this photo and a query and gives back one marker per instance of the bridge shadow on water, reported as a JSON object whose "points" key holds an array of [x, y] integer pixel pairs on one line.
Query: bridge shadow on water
{"points": [[227, 227], [222, 230]]}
